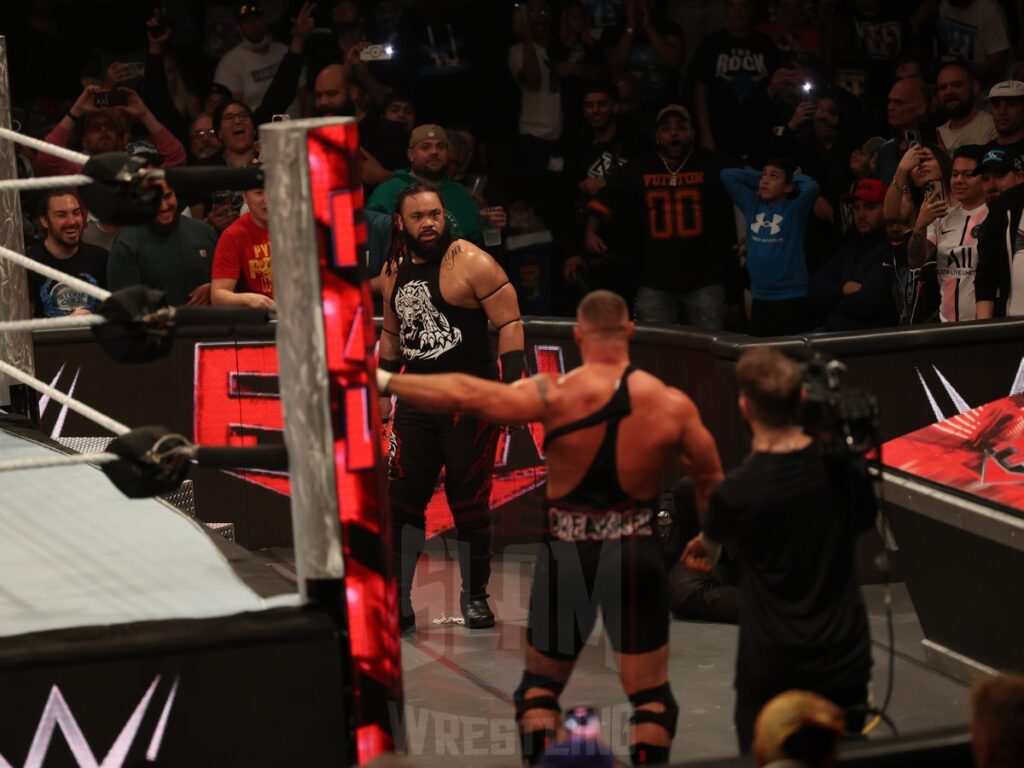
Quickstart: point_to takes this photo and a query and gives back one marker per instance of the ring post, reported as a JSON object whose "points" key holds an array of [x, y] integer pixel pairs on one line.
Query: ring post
{"points": [[325, 345], [15, 347]]}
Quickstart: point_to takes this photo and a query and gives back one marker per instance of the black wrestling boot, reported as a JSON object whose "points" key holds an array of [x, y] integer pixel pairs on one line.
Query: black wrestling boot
{"points": [[475, 611]]}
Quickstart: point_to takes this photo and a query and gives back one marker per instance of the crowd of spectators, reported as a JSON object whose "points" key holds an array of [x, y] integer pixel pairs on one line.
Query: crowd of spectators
{"points": [[779, 168], [776, 167]]}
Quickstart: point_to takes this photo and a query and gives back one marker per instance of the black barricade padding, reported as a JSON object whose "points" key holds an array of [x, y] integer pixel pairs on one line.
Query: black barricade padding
{"points": [[940, 748], [137, 476], [956, 559], [123, 336], [902, 367], [113, 200], [263, 690], [268, 457], [201, 180], [220, 316]]}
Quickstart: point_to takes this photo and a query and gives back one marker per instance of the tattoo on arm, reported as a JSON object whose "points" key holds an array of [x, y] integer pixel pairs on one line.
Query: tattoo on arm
{"points": [[449, 257]]}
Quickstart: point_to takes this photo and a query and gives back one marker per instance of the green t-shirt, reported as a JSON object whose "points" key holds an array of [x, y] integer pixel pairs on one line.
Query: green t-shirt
{"points": [[463, 214], [176, 263]]}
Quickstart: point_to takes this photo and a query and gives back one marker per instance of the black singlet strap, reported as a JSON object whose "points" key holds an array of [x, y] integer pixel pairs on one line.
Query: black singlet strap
{"points": [[618, 407]]}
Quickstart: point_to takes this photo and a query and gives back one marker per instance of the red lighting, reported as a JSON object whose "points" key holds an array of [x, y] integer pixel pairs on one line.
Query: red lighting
{"points": [[348, 335], [346, 254]]}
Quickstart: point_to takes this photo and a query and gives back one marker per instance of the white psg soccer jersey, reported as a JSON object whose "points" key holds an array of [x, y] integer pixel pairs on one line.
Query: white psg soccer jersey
{"points": [[955, 237]]}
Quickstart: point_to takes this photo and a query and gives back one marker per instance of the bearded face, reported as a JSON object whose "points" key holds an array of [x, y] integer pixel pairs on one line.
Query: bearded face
{"points": [[431, 249], [424, 226]]}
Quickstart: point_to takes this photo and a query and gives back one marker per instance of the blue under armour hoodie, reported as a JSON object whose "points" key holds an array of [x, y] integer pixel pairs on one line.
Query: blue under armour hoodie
{"points": [[775, 234]]}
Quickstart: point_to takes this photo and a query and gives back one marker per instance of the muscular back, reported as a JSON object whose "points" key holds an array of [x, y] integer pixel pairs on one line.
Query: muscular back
{"points": [[663, 422]]}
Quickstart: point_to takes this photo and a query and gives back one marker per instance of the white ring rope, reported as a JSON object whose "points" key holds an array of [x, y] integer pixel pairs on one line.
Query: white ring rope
{"points": [[45, 182], [44, 146], [50, 323], [58, 461], [70, 280], [55, 394]]}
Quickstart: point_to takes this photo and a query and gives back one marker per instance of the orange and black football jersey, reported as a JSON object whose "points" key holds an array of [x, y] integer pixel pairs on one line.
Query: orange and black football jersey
{"points": [[684, 223]]}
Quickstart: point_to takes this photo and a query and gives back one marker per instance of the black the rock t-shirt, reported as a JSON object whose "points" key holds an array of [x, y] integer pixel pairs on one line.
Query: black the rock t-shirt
{"points": [[792, 519], [735, 71], [53, 298]]}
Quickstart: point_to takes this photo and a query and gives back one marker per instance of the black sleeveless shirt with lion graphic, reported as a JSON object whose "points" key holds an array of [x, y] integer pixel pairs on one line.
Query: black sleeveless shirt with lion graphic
{"points": [[434, 336]]}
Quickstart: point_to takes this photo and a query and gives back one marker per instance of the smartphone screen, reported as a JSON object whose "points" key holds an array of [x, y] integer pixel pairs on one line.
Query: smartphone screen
{"points": [[104, 99], [913, 137]]}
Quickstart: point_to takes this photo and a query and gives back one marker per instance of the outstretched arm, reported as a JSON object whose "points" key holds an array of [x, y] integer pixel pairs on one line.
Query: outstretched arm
{"points": [[526, 400]]}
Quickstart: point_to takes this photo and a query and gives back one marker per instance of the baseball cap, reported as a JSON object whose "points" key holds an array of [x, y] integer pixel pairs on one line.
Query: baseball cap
{"points": [[247, 9], [1008, 89], [425, 132], [868, 190], [999, 160], [145, 150], [788, 714], [872, 145], [673, 109]]}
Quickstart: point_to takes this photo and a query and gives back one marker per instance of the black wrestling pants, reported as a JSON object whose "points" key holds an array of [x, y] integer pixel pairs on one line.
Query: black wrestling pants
{"points": [[421, 444]]}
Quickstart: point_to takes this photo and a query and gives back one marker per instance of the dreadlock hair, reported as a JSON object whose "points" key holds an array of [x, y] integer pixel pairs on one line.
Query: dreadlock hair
{"points": [[399, 250]]}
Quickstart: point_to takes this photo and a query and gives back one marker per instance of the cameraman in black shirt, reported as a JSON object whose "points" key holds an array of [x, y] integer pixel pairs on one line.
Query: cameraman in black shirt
{"points": [[791, 517]]}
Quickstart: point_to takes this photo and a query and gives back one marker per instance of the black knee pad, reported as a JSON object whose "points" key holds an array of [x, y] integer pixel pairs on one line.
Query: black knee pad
{"points": [[536, 741], [530, 680], [642, 753], [661, 694]]}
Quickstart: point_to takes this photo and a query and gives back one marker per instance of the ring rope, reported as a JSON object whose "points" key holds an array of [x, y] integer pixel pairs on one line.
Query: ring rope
{"points": [[58, 461], [45, 182], [55, 394], [70, 280], [50, 323], [44, 146]]}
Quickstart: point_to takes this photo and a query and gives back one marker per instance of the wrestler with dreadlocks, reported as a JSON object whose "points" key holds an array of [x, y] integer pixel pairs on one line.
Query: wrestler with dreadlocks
{"points": [[439, 294]]}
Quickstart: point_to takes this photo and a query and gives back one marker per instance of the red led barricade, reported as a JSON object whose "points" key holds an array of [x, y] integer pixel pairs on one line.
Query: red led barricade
{"points": [[237, 401]]}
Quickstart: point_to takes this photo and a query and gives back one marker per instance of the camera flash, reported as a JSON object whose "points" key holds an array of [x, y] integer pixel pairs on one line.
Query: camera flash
{"points": [[808, 87], [388, 50]]}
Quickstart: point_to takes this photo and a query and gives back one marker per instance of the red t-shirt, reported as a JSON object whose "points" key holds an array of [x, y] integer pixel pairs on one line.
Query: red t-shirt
{"points": [[243, 254]]}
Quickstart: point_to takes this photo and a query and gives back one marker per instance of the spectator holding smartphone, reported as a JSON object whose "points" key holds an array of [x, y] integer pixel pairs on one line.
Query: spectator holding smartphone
{"points": [[949, 234], [920, 166], [908, 115], [106, 129]]}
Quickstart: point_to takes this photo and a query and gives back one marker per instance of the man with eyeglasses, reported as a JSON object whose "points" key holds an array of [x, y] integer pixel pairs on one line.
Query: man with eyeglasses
{"points": [[203, 143], [236, 130]]}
